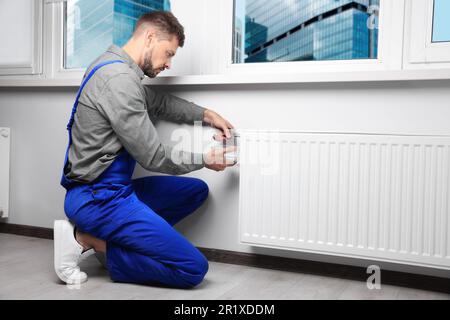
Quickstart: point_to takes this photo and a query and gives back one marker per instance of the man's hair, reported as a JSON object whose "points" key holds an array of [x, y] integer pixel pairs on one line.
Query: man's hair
{"points": [[166, 24]]}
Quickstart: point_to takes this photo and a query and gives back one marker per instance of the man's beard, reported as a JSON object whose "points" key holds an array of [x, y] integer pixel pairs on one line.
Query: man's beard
{"points": [[148, 66]]}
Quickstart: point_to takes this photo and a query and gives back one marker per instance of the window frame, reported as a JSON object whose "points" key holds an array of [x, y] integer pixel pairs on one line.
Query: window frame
{"points": [[211, 53], [389, 55], [420, 51], [388, 67], [56, 64], [34, 66]]}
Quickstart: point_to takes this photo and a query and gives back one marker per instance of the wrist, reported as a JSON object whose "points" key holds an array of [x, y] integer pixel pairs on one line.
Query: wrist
{"points": [[207, 116]]}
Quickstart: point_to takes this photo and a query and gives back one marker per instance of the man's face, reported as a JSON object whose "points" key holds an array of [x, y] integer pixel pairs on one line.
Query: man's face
{"points": [[158, 56]]}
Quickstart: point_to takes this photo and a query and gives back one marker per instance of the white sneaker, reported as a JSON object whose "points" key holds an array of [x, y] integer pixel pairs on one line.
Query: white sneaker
{"points": [[67, 253]]}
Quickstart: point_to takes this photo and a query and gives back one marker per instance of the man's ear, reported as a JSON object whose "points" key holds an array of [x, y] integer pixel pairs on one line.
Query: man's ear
{"points": [[150, 37]]}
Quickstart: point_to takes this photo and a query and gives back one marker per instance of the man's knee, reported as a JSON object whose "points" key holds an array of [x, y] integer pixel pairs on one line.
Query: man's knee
{"points": [[199, 270], [202, 189]]}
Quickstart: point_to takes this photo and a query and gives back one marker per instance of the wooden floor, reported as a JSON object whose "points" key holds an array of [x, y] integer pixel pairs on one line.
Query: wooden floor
{"points": [[26, 272]]}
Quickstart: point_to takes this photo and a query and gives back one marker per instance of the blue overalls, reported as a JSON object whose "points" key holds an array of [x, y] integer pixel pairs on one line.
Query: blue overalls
{"points": [[136, 216]]}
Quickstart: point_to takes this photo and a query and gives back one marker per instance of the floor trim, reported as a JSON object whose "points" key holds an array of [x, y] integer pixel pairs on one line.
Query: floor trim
{"points": [[29, 231], [395, 278]]}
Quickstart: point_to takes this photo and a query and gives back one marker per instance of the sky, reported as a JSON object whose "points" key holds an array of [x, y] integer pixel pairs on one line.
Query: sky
{"points": [[441, 26]]}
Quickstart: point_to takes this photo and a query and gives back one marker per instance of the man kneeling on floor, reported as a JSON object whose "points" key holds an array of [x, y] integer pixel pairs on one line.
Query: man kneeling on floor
{"points": [[110, 129]]}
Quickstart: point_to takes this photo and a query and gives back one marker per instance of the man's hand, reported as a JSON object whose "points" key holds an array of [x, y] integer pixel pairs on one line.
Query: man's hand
{"points": [[216, 121], [216, 158]]}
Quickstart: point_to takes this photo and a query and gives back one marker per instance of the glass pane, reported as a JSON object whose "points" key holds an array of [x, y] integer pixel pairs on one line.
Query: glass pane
{"points": [[92, 26], [302, 30], [441, 21]]}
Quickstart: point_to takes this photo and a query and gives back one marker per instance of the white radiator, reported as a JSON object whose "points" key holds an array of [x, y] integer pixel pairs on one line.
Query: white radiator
{"points": [[382, 197], [4, 171]]}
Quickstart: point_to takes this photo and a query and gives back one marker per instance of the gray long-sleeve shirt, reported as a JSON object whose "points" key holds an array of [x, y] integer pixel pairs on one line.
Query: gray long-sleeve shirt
{"points": [[114, 111]]}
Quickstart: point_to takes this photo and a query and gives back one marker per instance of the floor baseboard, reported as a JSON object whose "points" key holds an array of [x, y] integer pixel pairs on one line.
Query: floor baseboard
{"points": [[29, 231], [394, 278]]}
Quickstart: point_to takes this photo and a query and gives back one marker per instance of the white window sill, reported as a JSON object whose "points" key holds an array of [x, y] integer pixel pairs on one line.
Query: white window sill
{"points": [[317, 77]]}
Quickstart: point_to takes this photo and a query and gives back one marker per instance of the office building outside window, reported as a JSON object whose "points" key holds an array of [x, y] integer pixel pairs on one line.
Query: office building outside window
{"points": [[305, 30], [92, 26]]}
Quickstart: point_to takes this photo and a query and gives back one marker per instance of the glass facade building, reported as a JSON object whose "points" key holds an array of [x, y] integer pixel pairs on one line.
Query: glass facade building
{"points": [[92, 26], [302, 30]]}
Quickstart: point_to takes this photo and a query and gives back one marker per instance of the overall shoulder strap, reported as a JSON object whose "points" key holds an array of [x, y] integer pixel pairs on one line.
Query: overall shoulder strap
{"points": [[85, 80], [65, 181]]}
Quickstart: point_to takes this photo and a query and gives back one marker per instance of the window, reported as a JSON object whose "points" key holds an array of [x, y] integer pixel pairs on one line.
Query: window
{"points": [[236, 41], [21, 35], [427, 42], [293, 40], [304, 30], [441, 21], [91, 26]]}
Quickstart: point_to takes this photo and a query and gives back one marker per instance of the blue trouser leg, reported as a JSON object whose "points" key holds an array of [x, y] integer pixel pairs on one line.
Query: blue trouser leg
{"points": [[142, 247], [172, 197], [148, 250]]}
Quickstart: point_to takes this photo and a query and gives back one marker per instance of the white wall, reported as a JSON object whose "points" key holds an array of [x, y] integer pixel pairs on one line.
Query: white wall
{"points": [[38, 117]]}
